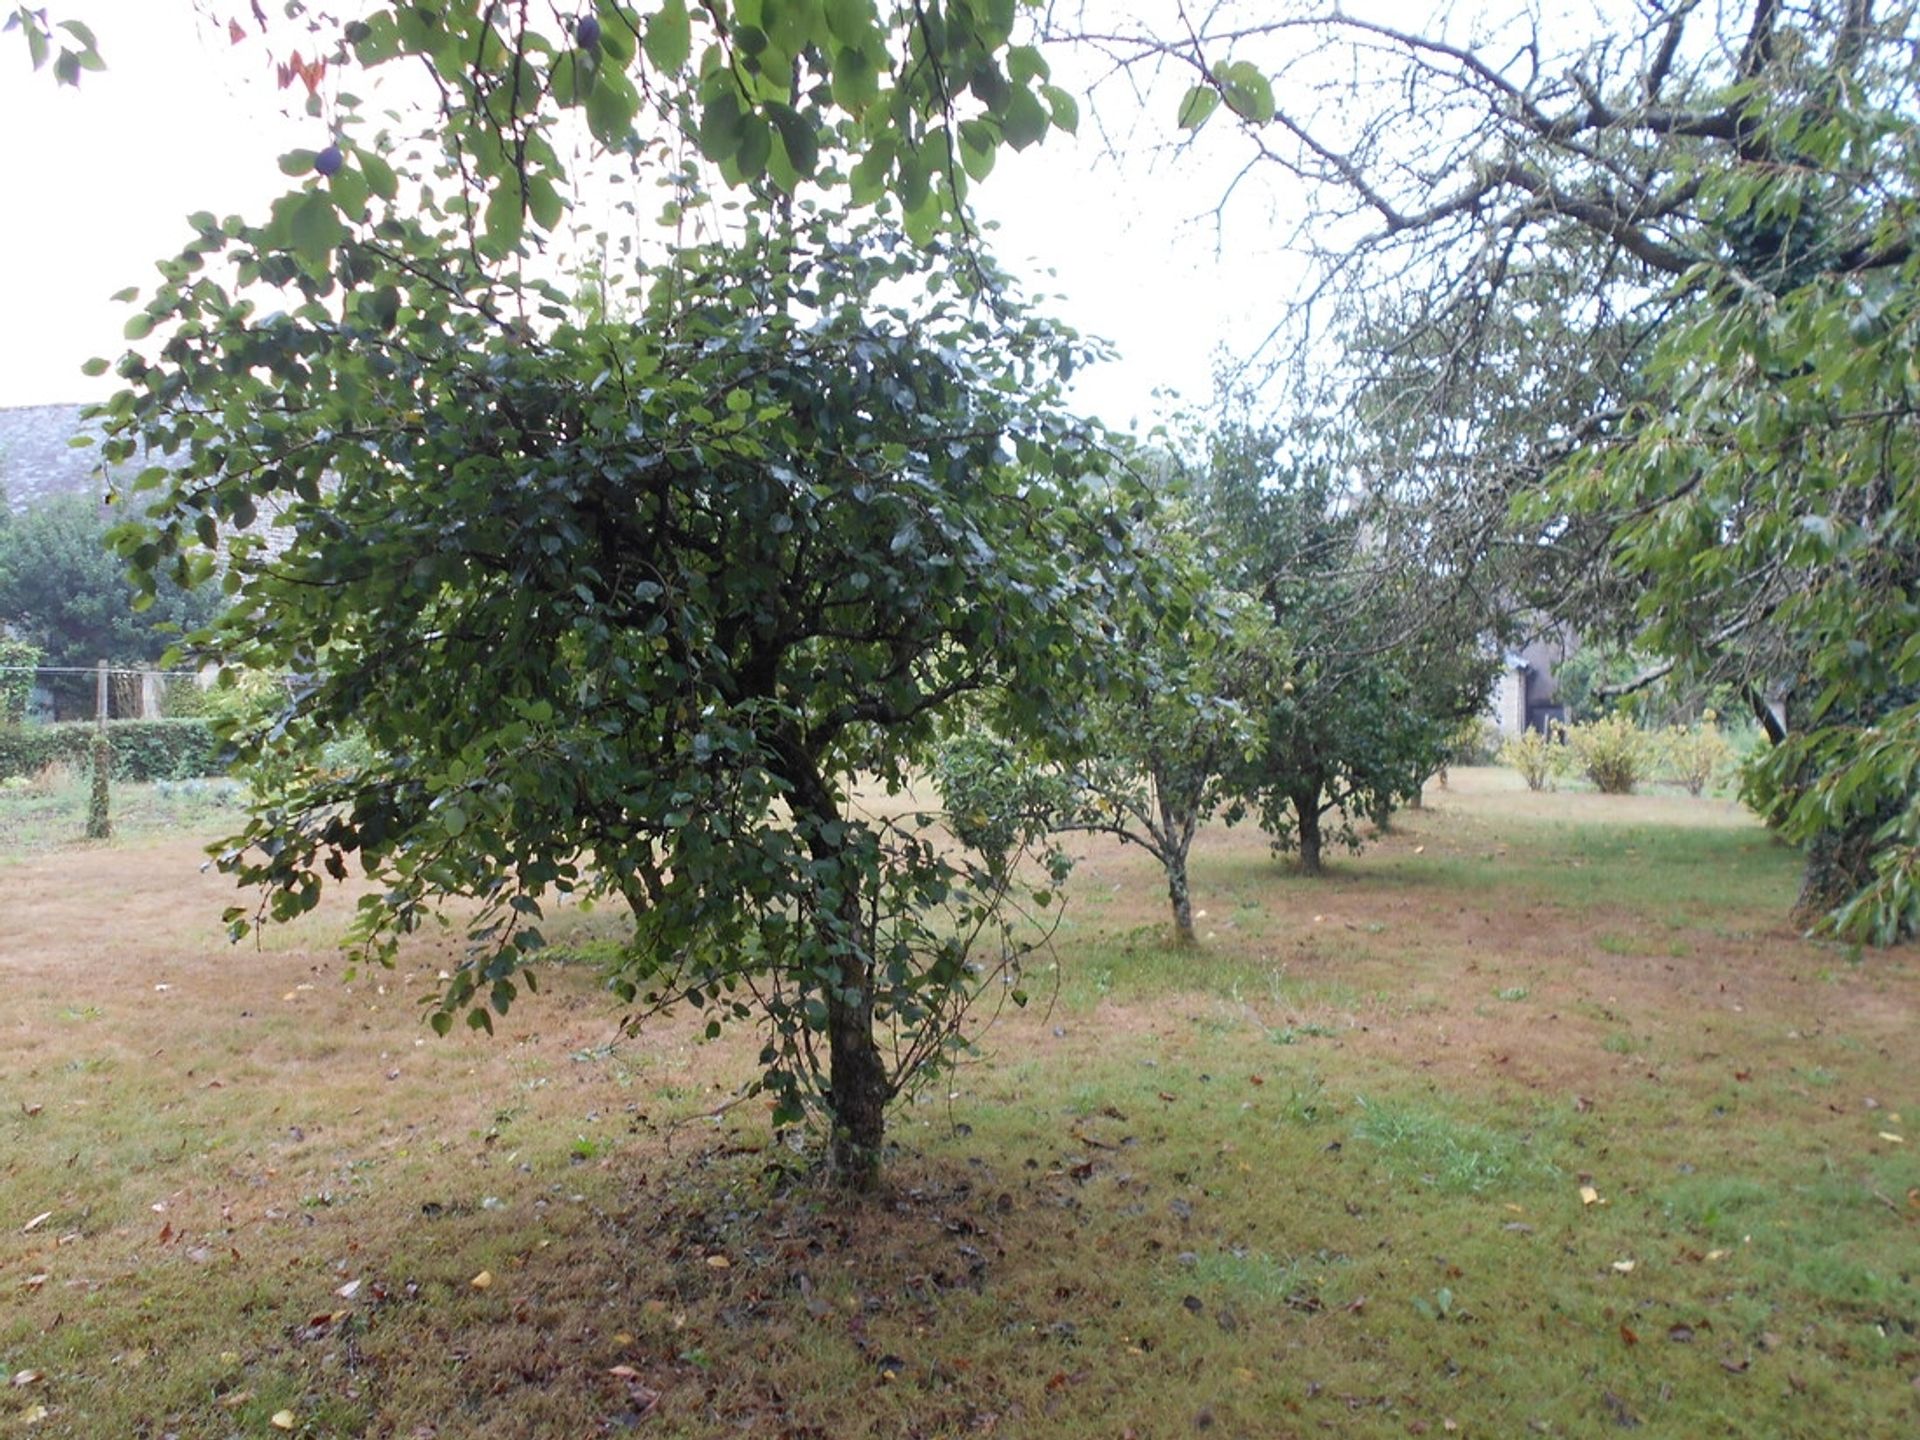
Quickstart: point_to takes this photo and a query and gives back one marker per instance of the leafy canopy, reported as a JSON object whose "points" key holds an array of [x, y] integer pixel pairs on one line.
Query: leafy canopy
{"points": [[625, 608], [911, 100]]}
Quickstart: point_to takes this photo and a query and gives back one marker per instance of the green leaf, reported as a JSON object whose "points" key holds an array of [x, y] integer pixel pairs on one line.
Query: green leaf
{"points": [[856, 81], [138, 327], [313, 228], [506, 218], [850, 21], [798, 139], [1026, 119], [95, 366], [1197, 106], [298, 162], [669, 37], [611, 106], [379, 174], [1248, 92], [544, 203], [756, 145], [720, 126], [348, 187], [1066, 110], [1025, 63], [441, 1022]]}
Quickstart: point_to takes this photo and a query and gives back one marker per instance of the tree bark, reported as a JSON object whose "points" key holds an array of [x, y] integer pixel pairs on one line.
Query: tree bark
{"points": [[859, 1093], [1306, 811], [1181, 898], [857, 1085]]}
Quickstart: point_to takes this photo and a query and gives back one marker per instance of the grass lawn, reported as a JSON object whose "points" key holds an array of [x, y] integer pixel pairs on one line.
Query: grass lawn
{"points": [[1535, 1119]]}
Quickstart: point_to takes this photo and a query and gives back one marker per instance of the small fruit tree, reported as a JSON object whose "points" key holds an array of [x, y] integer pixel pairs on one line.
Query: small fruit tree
{"points": [[624, 607]]}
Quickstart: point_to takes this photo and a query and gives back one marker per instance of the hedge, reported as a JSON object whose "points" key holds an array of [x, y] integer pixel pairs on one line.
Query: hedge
{"points": [[142, 749]]}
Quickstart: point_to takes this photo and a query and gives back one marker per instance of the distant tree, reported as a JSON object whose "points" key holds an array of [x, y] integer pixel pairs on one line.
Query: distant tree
{"points": [[63, 589], [1382, 659], [1165, 736], [1180, 709]]}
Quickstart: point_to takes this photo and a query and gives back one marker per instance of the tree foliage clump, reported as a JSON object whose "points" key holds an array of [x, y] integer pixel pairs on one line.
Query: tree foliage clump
{"points": [[627, 607], [1384, 657]]}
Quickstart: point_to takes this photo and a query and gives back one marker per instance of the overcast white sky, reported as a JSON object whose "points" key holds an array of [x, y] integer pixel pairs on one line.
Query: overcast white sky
{"points": [[98, 182]]}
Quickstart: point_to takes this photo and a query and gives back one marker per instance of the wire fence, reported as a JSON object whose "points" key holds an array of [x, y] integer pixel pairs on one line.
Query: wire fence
{"points": [[103, 691]]}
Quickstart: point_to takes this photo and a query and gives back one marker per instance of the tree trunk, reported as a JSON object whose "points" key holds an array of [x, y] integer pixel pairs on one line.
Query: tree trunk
{"points": [[1306, 811], [1181, 899], [857, 1085], [859, 1093], [1839, 866]]}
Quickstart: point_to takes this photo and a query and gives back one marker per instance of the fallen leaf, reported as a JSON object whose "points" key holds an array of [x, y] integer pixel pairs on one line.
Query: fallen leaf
{"points": [[32, 1110], [35, 1415], [348, 1290], [1680, 1334], [1628, 1336], [1891, 1138], [719, 1262], [34, 1282], [282, 1420], [482, 1280], [1734, 1367], [1589, 1195], [234, 1399], [1623, 1267], [1716, 1254], [35, 1223], [26, 1377], [623, 1372]]}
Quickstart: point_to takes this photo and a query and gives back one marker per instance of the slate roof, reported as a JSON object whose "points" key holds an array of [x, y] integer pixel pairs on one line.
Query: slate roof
{"points": [[36, 461]]}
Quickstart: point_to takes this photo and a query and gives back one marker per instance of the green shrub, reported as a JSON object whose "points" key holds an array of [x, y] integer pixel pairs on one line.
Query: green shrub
{"points": [[17, 659], [142, 749], [1612, 752], [1536, 757], [185, 699], [1693, 755]]}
